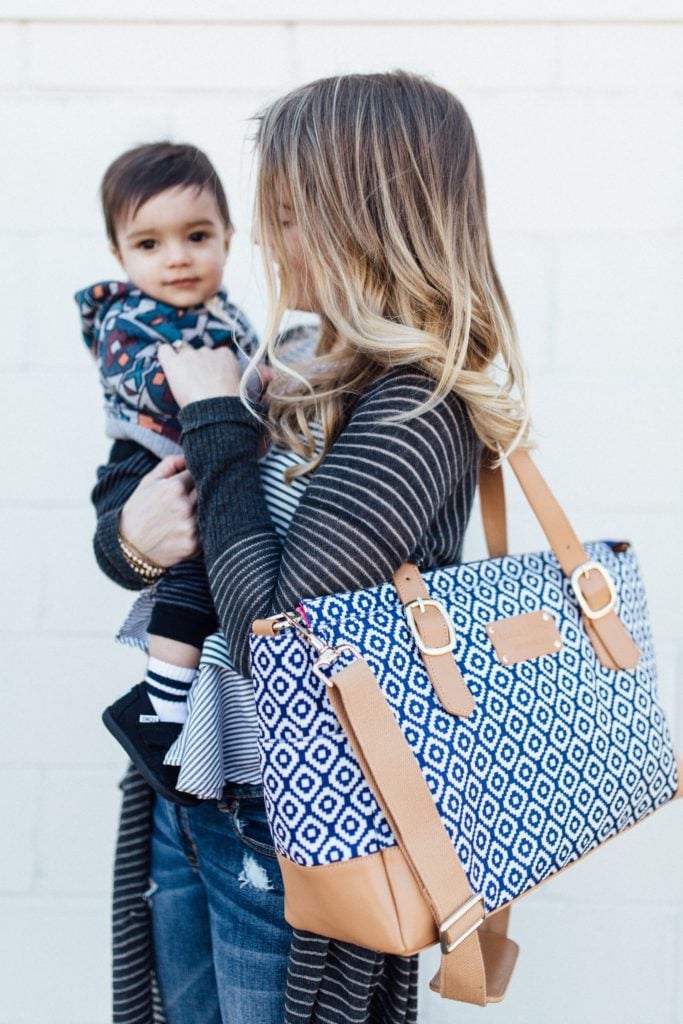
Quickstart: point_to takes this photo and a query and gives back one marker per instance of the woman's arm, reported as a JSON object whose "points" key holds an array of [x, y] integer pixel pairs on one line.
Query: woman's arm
{"points": [[362, 515], [116, 481], [153, 505]]}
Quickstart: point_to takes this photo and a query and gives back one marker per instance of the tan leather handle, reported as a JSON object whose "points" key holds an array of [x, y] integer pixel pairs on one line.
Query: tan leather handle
{"points": [[612, 643], [493, 510], [567, 547]]}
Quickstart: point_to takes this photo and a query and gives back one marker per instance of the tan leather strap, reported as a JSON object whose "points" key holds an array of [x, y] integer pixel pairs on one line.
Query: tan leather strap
{"points": [[571, 554], [493, 511], [499, 955], [401, 791], [568, 549], [612, 643], [450, 687], [498, 922]]}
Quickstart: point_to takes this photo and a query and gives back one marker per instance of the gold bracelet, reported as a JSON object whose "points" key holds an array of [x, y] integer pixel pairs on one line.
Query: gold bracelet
{"points": [[147, 570]]}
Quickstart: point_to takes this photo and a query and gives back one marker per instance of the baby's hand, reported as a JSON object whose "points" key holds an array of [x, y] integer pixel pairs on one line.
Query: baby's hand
{"points": [[197, 373]]}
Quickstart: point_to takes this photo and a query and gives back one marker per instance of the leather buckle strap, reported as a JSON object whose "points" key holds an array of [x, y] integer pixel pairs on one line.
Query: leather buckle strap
{"points": [[434, 635], [584, 571], [457, 915], [421, 603]]}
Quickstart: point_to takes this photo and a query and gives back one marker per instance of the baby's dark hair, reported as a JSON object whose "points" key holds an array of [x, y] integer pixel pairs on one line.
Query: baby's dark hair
{"points": [[141, 173]]}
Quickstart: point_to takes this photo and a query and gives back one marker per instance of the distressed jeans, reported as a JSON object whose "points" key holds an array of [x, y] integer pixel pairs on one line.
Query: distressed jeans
{"points": [[221, 942]]}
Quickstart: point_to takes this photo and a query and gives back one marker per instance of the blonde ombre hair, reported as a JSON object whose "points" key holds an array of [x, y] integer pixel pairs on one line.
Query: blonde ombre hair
{"points": [[383, 179]]}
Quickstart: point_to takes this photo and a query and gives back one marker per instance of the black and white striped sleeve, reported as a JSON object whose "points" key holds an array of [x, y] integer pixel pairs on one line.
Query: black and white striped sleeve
{"points": [[361, 516]]}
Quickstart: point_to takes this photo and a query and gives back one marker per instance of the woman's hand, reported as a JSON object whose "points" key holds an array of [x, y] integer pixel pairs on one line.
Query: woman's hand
{"points": [[159, 517], [197, 373]]}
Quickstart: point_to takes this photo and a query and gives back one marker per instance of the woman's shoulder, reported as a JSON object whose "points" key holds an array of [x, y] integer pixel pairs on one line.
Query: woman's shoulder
{"points": [[403, 390], [393, 435], [393, 421]]}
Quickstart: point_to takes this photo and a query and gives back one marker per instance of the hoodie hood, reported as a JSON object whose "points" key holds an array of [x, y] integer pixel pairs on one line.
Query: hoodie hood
{"points": [[92, 303]]}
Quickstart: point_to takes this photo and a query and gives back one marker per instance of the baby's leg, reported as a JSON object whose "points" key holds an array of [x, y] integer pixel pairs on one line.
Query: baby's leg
{"points": [[171, 670], [147, 720]]}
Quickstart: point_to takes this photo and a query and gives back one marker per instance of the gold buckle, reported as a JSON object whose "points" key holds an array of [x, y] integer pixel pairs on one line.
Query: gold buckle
{"points": [[421, 603], [585, 570], [448, 947]]}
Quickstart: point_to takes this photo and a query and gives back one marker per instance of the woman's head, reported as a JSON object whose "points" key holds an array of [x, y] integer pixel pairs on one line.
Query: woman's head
{"points": [[371, 200]]}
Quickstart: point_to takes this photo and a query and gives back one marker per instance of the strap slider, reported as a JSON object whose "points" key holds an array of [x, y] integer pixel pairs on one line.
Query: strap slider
{"points": [[585, 570], [448, 947], [421, 603]]}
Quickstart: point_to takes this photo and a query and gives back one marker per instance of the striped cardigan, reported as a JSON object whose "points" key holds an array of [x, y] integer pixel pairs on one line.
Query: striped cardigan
{"points": [[386, 492]]}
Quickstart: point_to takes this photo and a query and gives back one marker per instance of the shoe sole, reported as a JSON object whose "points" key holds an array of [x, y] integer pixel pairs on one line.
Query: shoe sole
{"points": [[174, 795]]}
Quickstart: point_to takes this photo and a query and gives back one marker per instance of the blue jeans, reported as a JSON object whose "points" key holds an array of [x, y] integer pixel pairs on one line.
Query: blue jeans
{"points": [[221, 942]]}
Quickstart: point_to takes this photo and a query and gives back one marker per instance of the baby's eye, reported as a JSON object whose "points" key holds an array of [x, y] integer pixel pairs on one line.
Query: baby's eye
{"points": [[146, 243], [199, 236]]}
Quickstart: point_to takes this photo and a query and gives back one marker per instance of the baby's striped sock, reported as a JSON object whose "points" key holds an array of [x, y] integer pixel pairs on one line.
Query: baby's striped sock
{"points": [[167, 688]]}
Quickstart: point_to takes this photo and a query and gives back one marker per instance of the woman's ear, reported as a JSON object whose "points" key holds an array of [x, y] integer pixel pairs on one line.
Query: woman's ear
{"points": [[229, 232], [113, 249]]}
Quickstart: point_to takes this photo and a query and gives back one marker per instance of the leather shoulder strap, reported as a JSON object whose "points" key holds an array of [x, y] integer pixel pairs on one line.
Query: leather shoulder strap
{"points": [[478, 966]]}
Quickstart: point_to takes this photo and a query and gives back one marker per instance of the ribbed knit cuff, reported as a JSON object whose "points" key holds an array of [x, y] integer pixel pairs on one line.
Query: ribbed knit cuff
{"points": [[217, 410]]}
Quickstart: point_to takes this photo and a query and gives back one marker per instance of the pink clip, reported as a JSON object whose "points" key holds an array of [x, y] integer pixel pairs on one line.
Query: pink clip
{"points": [[304, 615]]}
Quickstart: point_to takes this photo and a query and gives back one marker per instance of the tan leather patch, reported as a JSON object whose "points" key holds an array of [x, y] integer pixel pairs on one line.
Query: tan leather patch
{"points": [[524, 636]]}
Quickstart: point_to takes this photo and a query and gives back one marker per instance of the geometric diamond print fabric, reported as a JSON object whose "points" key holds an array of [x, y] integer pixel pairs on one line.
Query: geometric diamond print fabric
{"points": [[559, 755]]}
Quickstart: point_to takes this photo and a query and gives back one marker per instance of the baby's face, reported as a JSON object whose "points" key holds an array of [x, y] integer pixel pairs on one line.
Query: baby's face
{"points": [[174, 247]]}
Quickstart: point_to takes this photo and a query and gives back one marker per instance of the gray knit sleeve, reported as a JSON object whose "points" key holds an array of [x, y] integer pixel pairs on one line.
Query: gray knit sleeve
{"points": [[362, 515], [116, 481]]}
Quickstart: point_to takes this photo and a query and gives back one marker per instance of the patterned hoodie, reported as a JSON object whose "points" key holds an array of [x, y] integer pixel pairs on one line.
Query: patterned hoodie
{"points": [[123, 328]]}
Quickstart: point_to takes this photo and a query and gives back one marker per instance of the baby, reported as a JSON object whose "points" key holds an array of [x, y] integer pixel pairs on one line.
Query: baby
{"points": [[169, 226]]}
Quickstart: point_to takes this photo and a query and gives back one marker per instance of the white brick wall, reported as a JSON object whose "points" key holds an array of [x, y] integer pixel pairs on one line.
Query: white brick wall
{"points": [[576, 106], [112, 58]]}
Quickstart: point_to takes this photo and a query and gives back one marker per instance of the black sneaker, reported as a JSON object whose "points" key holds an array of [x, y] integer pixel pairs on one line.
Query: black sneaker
{"points": [[134, 723]]}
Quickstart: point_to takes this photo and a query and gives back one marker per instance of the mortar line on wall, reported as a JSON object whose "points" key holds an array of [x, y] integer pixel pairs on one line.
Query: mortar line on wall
{"points": [[29, 90], [345, 22], [36, 898]]}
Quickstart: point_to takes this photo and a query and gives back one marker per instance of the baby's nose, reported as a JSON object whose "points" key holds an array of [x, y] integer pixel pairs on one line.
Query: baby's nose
{"points": [[178, 254]]}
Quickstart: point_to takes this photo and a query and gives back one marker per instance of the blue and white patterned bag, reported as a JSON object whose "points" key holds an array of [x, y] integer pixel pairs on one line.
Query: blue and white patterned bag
{"points": [[564, 744]]}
